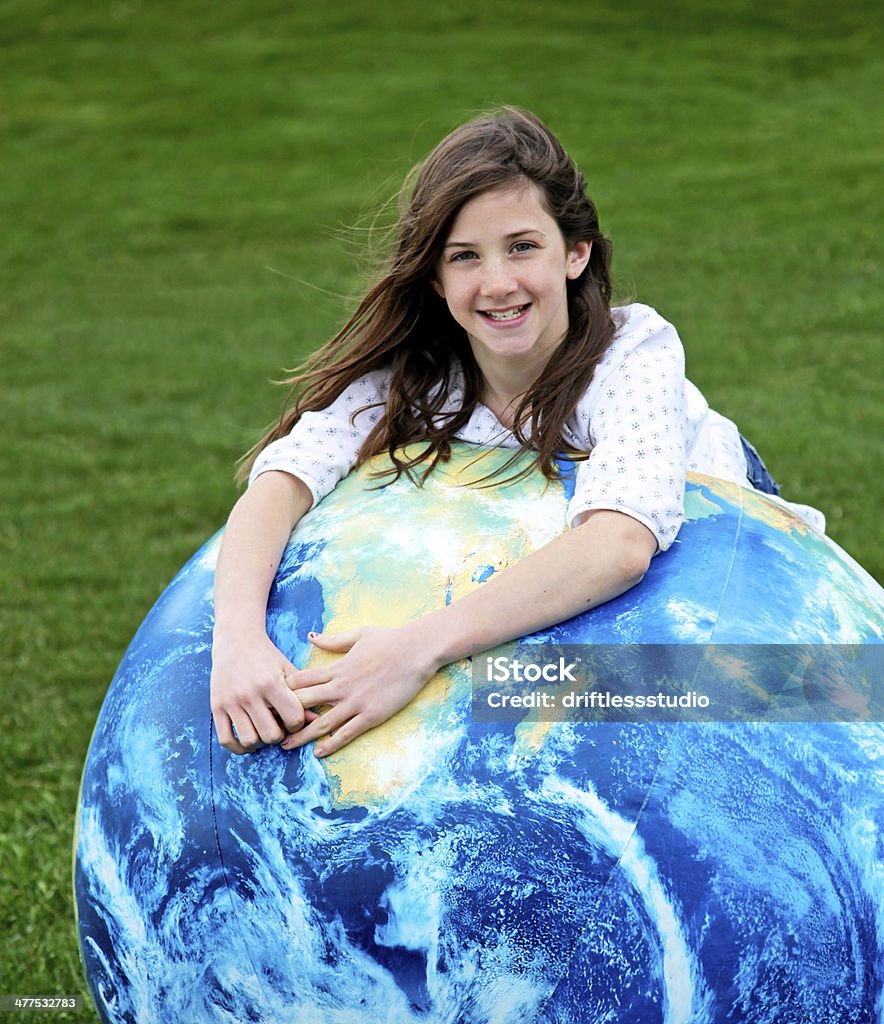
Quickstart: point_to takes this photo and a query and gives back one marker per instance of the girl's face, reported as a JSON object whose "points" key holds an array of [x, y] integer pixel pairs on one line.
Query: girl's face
{"points": [[503, 274]]}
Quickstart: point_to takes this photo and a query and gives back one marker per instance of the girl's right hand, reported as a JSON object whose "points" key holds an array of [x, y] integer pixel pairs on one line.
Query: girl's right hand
{"points": [[252, 700]]}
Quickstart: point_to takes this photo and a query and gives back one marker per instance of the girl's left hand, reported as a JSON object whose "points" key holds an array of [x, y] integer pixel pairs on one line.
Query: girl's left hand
{"points": [[379, 674]]}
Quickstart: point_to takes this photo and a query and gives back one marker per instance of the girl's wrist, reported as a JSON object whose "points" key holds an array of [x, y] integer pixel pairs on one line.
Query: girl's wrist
{"points": [[438, 638], [237, 630]]}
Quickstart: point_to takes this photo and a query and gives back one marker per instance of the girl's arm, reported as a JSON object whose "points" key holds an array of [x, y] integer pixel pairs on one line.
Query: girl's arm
{"points": [[252, 681], [384, 668]]}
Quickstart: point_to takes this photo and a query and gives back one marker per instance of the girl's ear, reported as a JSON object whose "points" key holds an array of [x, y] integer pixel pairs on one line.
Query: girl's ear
{"points": [[578, 257], [437, 287]]}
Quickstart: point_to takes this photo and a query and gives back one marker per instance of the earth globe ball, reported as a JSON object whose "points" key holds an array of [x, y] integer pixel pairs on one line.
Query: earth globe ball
{"points": [[442, 868]]}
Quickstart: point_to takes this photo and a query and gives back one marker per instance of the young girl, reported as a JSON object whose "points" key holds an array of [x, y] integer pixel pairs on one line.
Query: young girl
{"points": [[492, 324]]}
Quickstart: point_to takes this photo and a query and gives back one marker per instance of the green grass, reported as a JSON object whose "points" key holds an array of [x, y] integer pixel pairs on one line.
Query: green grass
{"points": [[175, 179]]}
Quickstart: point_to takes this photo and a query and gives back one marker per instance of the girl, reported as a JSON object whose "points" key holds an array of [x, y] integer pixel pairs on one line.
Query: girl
{"points": [[492, 324]]}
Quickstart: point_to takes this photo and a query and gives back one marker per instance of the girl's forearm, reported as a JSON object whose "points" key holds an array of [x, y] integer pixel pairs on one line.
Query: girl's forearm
{"points": [[252, 700], [256, 535], [584, 567]]}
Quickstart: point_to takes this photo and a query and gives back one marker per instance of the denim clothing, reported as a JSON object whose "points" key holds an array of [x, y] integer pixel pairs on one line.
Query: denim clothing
{"points": [[756, 470]]}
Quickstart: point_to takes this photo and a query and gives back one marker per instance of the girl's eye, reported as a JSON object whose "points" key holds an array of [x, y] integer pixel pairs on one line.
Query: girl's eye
{"points": [[524, 246], [461, 257]]}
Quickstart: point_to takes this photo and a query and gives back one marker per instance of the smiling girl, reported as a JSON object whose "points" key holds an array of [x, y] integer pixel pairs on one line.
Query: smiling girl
{"points": [[491, 324]]}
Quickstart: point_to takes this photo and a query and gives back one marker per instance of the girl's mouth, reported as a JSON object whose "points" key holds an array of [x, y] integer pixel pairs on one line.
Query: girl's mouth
{"points": [[503, 315]]}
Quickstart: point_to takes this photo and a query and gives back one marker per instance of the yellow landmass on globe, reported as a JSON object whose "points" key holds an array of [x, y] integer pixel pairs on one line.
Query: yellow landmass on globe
{"points": [[428, 524]]}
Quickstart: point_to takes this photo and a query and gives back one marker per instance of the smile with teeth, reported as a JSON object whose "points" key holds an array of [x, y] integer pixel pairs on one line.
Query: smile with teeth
{"points": [[504, 314]]}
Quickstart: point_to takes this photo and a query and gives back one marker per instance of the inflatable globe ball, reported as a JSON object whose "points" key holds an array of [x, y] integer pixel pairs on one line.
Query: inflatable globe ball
{"points": [[445, 869]]}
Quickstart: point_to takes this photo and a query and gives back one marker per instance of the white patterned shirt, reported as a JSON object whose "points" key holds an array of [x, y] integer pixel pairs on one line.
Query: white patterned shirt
{"points": [[643, 422]]}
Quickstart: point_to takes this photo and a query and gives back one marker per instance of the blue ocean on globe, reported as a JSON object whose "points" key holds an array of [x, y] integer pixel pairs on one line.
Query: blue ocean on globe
{"points": [[446, 869]]}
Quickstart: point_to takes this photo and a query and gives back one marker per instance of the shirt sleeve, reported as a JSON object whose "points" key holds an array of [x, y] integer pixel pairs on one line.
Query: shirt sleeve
{"points": [[633, 417], [322, 446]]}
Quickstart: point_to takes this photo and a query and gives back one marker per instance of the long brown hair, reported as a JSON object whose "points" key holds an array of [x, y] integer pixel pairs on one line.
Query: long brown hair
{"points": [[404, 326]]}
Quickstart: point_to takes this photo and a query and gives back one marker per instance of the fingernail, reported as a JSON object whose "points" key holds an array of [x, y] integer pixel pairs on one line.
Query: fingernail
{"points": [[312, 635], [319, 751]]}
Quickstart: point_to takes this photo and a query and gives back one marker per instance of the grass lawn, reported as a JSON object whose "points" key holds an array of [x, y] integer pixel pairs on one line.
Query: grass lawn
{"points": [[177, 181]]}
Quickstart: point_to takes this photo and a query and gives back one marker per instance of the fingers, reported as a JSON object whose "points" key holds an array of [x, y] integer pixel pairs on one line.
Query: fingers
{"points": [[311, 695], [341, 737], [335, 643], [321, 725], [332, 729], [266, 723], [338, 643], [226, 737], [309, 677], [238, 734], [248, 723], [288, 708], [259, 697]]}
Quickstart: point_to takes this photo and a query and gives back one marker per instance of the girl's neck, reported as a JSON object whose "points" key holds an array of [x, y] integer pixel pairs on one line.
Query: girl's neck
{"points": [[503, 388], [503, 401], [503, 410]]}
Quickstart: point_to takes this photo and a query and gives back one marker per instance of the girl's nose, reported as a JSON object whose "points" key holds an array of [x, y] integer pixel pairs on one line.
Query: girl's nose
{"points": [[497, 279]]}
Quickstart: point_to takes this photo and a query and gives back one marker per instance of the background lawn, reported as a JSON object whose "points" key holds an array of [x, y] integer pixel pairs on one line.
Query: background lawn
{"points": [[177, 191]]}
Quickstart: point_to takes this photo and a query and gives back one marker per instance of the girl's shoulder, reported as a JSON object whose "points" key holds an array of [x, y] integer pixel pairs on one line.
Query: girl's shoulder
{"points": [[646, 347], [641, 370], [638, 321], [372, 386], [640, 328]]}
